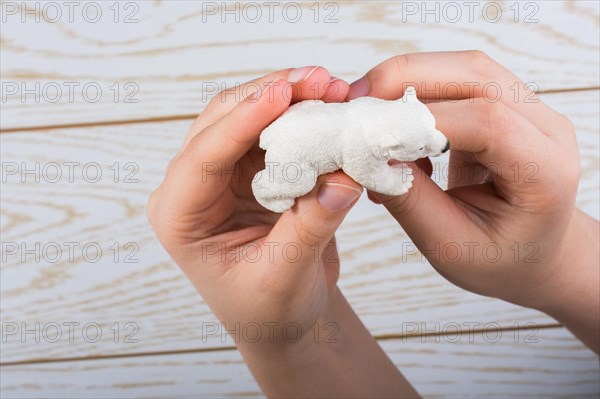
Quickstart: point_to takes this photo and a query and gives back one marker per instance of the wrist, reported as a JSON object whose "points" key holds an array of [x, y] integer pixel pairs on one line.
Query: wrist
{"points": [[344, 361], [292, 341], [574, 267], [570, 293]]}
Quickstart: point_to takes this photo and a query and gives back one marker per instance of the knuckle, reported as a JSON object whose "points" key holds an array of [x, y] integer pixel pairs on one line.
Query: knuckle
{"points": [[482, 64], [212, 103], [495, 117], [193, 150], [171, 164], [402, 205], [217, 100], [400, 63], [308, 236], [151, 207], [566, 125], [571, 176], [574, 175], [222, 98], [562, 187], [171, 169], [388, 71]]}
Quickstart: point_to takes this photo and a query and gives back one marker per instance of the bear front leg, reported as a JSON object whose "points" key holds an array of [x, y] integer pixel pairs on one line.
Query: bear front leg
{"points": [[379, 177], [394, 179]]}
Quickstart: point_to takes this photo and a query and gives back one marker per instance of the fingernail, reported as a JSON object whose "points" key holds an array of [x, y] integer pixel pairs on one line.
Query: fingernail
{"points": [[298, 75], [360, 88], [336, 197]]}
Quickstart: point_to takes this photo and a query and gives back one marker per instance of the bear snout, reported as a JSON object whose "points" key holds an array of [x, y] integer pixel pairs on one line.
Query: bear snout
{"points": [[447, 147]]}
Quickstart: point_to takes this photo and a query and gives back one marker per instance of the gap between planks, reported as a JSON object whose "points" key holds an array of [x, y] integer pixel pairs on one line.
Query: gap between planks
{"points": [[171, 118], [384, 337]]}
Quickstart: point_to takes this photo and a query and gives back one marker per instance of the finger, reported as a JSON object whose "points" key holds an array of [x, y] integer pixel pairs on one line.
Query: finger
{"points": [[201, 172], [494, 133], [465, 170], [303, 77], [312, 86], [315, 217], [374, 197], [424, 209], [499, 138], [508, 145], [307, 83], [458, 75], [424, 164], [337, 90]]}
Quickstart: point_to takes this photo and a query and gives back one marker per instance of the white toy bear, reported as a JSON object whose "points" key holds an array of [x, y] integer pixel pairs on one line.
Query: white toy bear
{"points": [[313, 138]]}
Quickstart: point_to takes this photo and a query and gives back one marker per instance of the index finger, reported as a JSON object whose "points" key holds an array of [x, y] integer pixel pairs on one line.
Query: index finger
{"points": [[456, 75], [307, 83], [200, 173]]}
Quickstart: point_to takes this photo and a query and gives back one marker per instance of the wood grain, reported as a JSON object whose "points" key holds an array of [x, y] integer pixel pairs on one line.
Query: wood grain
{"points": [[175, 49], [153, 342], [387, 289], [544, 363]]}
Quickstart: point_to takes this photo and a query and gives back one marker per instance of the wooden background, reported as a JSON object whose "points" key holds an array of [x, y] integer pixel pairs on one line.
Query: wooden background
{"points": [[164, 61]]}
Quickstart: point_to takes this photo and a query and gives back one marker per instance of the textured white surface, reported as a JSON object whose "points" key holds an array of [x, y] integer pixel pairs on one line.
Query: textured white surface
{"points": [[360, 137]]}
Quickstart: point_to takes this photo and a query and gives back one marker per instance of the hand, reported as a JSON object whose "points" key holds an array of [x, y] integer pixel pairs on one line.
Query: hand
{"points": [[507, 225], [255, 267], [230, 247]]}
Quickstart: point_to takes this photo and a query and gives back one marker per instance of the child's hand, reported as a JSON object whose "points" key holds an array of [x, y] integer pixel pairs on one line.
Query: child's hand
{"points": [[249, 264], [507, 225]]}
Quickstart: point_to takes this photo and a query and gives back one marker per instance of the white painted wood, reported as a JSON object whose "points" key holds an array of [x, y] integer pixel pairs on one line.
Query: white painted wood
{"points": [[546, 363], [386, 290], [174, 54], [171, 55]]}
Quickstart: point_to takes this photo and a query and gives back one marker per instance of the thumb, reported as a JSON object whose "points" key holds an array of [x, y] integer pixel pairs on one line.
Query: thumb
{"points": [[312, 222], [424, 210]]}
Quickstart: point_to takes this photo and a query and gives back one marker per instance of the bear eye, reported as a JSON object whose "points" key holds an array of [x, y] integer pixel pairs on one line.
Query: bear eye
{"points": [[421, 149]]}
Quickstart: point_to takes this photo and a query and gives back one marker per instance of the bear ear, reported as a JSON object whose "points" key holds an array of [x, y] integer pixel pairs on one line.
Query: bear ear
{"points": [[410, 94]]}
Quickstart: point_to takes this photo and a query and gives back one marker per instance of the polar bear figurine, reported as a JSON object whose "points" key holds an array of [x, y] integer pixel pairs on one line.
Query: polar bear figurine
{"points": [[360, 137]]}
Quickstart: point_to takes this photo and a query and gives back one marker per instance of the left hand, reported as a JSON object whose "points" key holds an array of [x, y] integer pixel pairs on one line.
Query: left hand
{"points": [[252, 265]]}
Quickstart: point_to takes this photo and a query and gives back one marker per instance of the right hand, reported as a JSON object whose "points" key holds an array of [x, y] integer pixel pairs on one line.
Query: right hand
{"points": [[507, 225]]}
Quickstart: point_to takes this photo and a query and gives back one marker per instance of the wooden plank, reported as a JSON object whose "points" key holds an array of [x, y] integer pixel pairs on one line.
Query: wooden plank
{"points": [[168, 62], [388, 290], [546, 363]]}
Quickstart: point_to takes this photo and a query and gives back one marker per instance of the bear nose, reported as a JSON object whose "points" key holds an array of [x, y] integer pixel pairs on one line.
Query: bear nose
{"points": [[447, 147]]}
